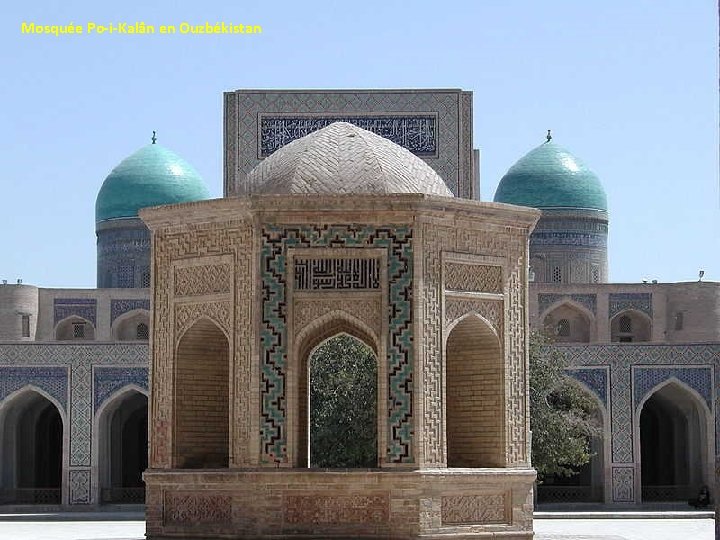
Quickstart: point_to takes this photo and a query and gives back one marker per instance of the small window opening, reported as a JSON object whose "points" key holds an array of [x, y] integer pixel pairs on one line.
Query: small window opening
{"points": [[26, 326], [557, 275], [679, 320], [79, 330], [145, 280], [625, 324], [142, 331], [563, 328]]}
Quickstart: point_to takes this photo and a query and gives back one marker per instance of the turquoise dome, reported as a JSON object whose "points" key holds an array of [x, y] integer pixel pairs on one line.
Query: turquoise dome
{"points": [[551, 177], [152, 176]]}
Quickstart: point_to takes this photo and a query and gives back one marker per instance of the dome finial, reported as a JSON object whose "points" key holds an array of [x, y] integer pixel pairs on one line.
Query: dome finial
{"points": [[154, 137], [548, 136]]}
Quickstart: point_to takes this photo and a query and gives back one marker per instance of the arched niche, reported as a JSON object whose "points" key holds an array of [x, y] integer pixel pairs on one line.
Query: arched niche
{"points": [[74, 328], [630, 326], [568, 323], [675, 443], [31, 448], [475, 395], [309, 341], [132, 326], [121, 425], [201, 418]]}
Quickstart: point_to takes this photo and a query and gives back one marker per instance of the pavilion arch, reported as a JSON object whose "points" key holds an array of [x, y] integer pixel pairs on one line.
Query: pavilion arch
{"points": [[132, 326], [33, 438], [630, 326], [201, 419], [674, 436], [475, 394], [74, 328], [312, 336], [569, 322], [120, 446], [592, 482]]}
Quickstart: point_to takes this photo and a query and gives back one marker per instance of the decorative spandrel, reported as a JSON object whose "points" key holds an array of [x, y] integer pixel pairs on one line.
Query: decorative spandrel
{"points": [[416, 133], [336, 274]]}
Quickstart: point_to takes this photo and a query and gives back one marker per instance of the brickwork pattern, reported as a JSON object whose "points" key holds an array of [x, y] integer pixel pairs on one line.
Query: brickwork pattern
{"points": [[233, 239], [473, 278], [467, 509]]}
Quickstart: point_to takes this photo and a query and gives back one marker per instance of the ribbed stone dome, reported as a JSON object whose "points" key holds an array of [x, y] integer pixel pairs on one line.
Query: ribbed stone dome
{"points": [[343, 158], [551, 177], [152, 176]]}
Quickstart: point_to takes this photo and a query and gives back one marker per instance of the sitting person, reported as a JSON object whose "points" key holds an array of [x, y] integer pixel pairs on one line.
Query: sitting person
{"points": [[703, 498]]}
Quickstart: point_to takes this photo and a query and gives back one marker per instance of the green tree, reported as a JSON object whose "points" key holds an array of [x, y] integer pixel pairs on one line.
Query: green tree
{"points": [[343, 403], [562, 416]]}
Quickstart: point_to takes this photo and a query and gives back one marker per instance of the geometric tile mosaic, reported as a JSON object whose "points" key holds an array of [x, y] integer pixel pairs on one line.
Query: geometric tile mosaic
{"points": [[548, 299], [621, 301], [698, 378], [594, 378], [80, 307], [108, 380], [118, 307], [53, 380], [397, 239]]}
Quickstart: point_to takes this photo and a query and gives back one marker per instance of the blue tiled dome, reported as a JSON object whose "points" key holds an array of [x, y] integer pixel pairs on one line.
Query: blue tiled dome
{"points": [[551, 177], [152, 176]]}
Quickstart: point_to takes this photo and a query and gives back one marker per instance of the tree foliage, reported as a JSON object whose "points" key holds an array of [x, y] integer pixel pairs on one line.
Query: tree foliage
{"points": [[343, 403], [562, 416]]}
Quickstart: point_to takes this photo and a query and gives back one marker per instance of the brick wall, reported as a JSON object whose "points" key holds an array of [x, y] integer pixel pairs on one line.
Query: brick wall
{"points": [[201, 402], [475, 412]]}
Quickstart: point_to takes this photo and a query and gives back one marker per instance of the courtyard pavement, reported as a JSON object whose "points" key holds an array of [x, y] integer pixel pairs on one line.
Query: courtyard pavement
{"points": [[545, 529]]}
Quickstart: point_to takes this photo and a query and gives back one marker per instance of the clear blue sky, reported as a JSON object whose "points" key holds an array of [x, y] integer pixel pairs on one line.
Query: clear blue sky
{"points": [[629, 87]]}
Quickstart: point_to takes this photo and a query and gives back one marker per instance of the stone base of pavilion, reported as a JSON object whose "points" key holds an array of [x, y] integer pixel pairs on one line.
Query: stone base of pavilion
{"points": [[357, 503]]}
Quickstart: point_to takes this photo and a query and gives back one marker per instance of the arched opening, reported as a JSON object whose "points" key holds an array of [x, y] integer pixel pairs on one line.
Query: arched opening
{"points": [[342, 374], [673, 445], [475, 396], [202, 398], [32, 450], [132, 327], [630, 326], [123, 449], [586, 484], [567, 324], [74, 329]]}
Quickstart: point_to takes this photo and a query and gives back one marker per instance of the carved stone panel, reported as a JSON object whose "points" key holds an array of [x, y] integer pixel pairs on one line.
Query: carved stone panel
{"points": [[189, 508], [480, 509], [473, 277], [203, 279], [336, 509]]}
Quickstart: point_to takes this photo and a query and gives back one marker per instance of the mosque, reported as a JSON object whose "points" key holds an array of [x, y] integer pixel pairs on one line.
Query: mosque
{"points": [[74, 363]]}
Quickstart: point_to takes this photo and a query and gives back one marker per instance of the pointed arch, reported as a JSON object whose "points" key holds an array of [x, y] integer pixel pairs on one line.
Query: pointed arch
{"points": [[482, 319], [32, 442], [125, 327], [630, 326], [120, 446], [201, 406], [75, 328], [475, 395], [674, 442], [308, 340], [576, 319]]}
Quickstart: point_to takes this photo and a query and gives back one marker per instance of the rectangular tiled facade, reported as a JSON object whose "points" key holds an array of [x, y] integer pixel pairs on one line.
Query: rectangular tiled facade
{"points": [[436, 125]]}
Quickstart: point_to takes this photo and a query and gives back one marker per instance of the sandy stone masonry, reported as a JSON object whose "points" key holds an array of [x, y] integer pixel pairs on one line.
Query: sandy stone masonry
{"points": [[438, 289]]}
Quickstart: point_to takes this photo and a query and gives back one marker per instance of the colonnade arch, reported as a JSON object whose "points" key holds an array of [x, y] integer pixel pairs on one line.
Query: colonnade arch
{"points": [[31, 448], [121, 424], [132, 326], [568, 322], [674, 431]]}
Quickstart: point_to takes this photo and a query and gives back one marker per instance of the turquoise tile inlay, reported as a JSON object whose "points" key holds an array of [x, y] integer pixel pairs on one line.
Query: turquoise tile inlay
{"points": [[551, 177], [397, 239], [152, 176]]}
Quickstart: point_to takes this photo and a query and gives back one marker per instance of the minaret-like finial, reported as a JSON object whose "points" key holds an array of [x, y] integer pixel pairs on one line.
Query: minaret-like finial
{"points": [[154, 137], [548, 137]]}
